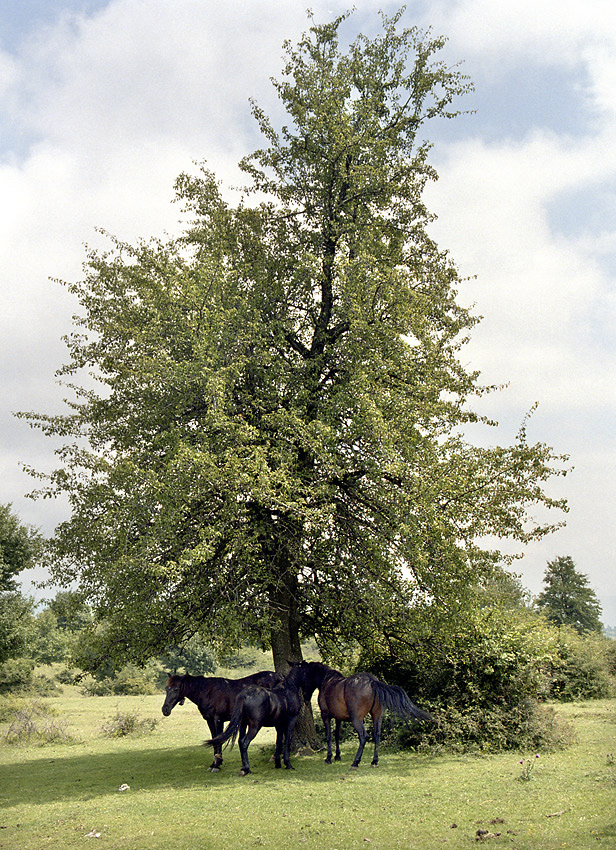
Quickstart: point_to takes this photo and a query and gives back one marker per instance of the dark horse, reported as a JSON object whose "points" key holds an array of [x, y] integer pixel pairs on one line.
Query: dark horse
{"points": [[214, 697], [255, 707], [352, 698]]}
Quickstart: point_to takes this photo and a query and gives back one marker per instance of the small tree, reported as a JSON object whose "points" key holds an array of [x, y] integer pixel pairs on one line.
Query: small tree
{"points": [[568, 598], [19, 547]]}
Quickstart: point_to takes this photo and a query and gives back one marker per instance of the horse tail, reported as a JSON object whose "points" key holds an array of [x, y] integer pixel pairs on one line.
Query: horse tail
{"points": [[232, 727], [397, 700]]}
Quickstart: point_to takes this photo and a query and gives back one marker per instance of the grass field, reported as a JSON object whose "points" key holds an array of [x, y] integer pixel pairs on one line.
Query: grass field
{"points": [[67, 796]]}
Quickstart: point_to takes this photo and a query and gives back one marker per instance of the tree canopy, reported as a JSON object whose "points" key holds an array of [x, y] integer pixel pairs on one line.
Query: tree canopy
{"points": [[19, 546], [567, 598], [275, 446]]}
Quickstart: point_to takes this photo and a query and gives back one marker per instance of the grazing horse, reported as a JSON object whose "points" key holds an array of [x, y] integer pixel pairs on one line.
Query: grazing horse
{"points": [[214, 697], [352, 698], [256, 707]]}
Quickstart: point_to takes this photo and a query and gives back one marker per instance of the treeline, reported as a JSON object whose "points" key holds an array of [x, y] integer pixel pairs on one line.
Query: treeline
{"points": [[62, 635], [486, 672]]}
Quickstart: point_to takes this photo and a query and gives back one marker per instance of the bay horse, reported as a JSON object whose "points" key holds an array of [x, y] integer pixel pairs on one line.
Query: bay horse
{"points": [[215, 698], [352, 698], [278, 706]]}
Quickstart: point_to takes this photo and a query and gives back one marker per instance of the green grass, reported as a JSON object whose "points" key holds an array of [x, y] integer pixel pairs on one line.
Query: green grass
{"points": [[54, 796]]}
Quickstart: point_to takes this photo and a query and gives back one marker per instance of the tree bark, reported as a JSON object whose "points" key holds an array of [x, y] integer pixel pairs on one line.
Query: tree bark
{"points": [[286, 647]]}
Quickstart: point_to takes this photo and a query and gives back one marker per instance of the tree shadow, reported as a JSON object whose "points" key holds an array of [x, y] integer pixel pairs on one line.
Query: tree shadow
{"points": [[86, 776]]}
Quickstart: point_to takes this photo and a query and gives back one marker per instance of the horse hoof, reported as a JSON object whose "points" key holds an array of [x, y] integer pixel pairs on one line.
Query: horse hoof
{"points": [[244, 771], [289, 767], [337, 758], [354, 767], [214, 769], [328, 761], [374, 764]]}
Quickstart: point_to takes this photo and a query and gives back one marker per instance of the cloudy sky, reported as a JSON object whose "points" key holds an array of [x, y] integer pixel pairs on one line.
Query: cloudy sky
{"points": [[104, 102]]}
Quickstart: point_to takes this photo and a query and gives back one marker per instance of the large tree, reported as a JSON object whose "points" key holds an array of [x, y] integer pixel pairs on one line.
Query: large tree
{"points": [[567, 598], [276, 448]]}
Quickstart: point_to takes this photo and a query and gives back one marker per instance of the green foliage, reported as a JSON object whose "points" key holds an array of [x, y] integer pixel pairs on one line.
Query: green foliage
{"points": [[567, 598], [16, 674], [125, 723], [585, 668], [194, 657], [49, 643], [130, 679], [20, 545], [527, 725], [276, 451], [479, 670], [71, 611], [16, 625]]}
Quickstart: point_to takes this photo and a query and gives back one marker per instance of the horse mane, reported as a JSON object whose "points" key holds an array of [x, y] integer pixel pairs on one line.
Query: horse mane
{"points": [[188, 683]]}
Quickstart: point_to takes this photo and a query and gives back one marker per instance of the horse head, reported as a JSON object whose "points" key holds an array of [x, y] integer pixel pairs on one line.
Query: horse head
{"points": [[175, 694], [302, 676]]}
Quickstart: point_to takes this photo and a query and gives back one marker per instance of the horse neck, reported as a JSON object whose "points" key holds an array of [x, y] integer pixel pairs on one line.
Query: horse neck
{"points": [[189, 689]]}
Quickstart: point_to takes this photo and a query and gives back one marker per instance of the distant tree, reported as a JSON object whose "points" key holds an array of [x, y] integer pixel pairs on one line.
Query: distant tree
{"points": [[567, 598], [505, 589], [193, 657], [71, 610], [19, 546]]}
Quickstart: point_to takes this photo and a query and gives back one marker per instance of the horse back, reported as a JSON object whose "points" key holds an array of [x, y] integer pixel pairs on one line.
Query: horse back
{"points": [[331, 698], [349, 698]]}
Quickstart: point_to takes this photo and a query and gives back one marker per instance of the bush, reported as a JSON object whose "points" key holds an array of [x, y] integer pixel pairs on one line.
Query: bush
{"points": [[585, 666], [481, 674], [528, 725], [16, 674], [9, 706], [34, 724], [129, 681], [127, 723]]}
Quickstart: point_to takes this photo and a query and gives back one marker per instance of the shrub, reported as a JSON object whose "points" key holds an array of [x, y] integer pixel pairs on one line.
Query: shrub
{"points": [[127, 723], [9, 706], [16, 674], [528, 725], [481, 674], [130, 680], [584, 667], [34, 724]]}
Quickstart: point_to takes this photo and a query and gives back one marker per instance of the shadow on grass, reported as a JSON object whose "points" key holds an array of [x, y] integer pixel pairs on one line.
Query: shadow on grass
{"points": [[86, 776]]}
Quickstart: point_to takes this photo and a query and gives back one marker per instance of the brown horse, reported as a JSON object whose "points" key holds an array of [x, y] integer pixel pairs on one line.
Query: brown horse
{"points": [[352, 698], [214, 697]]}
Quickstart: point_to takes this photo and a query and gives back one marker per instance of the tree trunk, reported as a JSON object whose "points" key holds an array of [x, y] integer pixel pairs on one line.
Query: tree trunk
{"points": [[286, 647]]}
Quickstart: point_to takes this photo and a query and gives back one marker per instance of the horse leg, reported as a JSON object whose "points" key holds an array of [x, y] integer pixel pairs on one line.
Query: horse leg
{"points": [[359, 727], [337, 736], [328, 736], [216, 726], [245, 737], [288, 734], [279, 743], [377, 738]]}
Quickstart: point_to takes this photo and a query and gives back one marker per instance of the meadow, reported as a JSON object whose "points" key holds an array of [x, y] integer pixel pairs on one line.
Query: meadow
{"points": [[67, 795]]}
